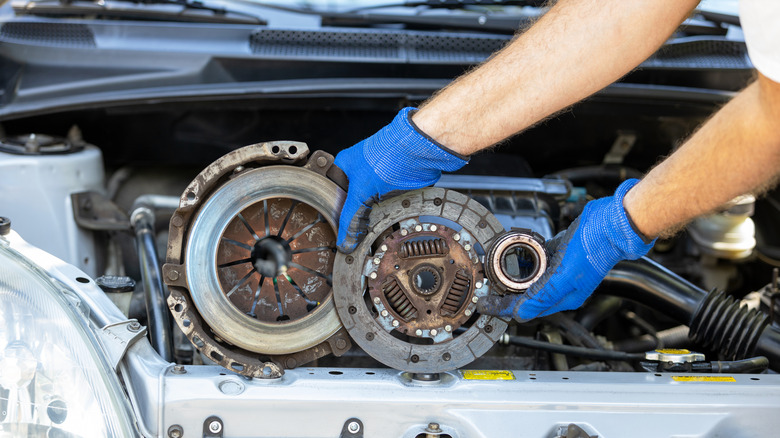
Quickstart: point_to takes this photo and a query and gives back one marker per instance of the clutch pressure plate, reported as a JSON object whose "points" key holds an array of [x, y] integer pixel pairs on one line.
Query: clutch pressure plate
{"points": [[250, 259]]}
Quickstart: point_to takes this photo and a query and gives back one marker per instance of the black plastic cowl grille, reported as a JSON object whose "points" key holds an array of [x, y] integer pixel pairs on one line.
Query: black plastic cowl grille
{"points": [[702, 54], [375, 44], [48, 34]]}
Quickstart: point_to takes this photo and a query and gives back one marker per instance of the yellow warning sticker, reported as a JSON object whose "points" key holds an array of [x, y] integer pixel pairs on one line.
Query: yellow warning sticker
{"points": [[487, 375], [672, 351], [703, 379]]}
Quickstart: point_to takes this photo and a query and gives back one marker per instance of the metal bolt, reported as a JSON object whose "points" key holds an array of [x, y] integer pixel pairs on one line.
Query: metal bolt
{"points": [[447, 328], [215, 426], [322, 161], [353, 427], [373, 275], [177, 221], [418, 332], [395, 323], [433, 426], [467, 312], [179, 369], [341, 344], [467, 247], [434, 228], [377, 300], [384, 313], [475, 260], [383, 248], [134, 326], [456, 237], [173, 275], [238, 169], [478, 285], [418, 228], [175, 431], [434, 332], [474, 299], [377, 260], [404, 232], [349, 260]]}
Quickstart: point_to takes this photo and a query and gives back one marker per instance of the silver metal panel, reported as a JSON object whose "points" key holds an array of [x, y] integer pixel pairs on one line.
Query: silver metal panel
{"points": [[315, 402]]}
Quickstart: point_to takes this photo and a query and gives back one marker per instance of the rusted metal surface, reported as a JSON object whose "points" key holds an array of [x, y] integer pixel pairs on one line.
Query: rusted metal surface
{"points": [[424, 279], [303, 231], [385, 309]]}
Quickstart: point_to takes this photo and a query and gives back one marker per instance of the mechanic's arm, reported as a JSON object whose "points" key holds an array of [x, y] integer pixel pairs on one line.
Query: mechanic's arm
{"points": [[576, 48], [735, 152]]}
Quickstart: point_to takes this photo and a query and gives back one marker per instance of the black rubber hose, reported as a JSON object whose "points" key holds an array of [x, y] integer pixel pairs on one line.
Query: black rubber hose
{"points": [[587, 353], [652, 285], [752, 365], [649, 283], [600, 309]]}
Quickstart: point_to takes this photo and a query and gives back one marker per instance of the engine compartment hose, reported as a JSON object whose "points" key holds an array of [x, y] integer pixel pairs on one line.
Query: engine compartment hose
{"points": [[675, 337], [654, 286], [752, 365], [722, 324], [583, 352]]}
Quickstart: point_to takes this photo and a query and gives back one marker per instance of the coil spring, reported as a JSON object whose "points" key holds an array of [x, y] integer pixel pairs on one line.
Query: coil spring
{"points": [[423, 248], [721, 324], [454, 299], [398, 300]]}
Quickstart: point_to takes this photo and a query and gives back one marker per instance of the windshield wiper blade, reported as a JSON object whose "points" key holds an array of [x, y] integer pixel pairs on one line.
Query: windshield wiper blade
{"points": [[135, 9], [498, 23], [453, 4]]}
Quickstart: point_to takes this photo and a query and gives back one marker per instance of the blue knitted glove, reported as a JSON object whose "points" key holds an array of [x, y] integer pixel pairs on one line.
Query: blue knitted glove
{"points": [[397, 158], [581, 257]]}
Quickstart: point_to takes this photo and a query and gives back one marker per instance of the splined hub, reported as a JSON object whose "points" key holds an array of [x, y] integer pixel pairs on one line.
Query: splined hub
{"points": [[424, 280], [416, 278]]}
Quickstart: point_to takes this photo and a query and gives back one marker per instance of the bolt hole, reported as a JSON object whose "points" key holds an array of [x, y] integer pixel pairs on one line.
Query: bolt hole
{"points": [[190, 196], [533, 378], [446, 356], [275, 149], [405, 203], [369, 336], [565, 378], [237, 366], [352, 310], [370, 373], [415, 358], [437, 202], [178, 307], [658, 375], [754, 378], [216, 356], [82, 280], [185, 322], [488, 329], [428, 311], [335, 373], [292, 150], [197, 341]]}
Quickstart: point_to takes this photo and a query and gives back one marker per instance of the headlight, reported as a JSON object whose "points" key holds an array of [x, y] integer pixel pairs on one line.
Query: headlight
{"points": [[54, 380]]}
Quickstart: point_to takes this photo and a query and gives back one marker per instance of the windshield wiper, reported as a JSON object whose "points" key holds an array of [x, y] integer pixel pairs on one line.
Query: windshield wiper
{"points": [[169, 10], [453, 4]]}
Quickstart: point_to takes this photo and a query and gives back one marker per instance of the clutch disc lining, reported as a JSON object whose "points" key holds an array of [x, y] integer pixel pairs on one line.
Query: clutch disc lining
{"points": [[415, 279]]}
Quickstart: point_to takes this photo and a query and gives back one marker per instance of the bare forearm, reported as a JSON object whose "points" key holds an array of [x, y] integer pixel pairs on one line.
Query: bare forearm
{"points": [[735, 152], [577, 48]]}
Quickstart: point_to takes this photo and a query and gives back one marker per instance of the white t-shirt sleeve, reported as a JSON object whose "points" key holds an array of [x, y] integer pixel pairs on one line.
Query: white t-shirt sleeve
{"points": [[761, 25]]}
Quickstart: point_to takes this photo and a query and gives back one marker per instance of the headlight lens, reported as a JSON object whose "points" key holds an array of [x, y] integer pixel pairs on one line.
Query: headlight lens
{"points": [[54, 380]]}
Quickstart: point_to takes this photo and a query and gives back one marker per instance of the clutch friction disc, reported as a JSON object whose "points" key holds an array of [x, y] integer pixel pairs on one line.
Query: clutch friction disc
{"points": [[414, 281]]}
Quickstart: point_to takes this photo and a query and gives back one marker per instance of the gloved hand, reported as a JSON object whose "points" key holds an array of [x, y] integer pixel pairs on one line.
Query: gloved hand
{"points": [[581, 257], [397, 158]]}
